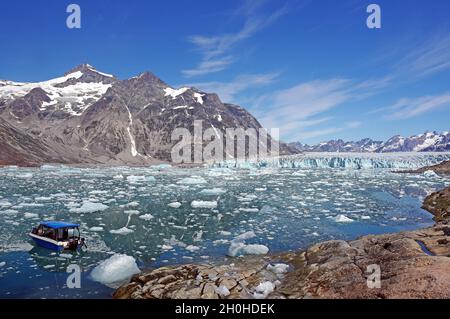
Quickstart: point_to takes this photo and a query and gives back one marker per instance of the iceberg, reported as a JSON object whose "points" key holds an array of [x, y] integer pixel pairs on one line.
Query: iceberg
{"points": [[175, 205], [89, 207], [116, 269], [213, 191], [146, 217], [204, 204], [342, 219], [121, 231], [430, 173], [263, 290], [194, 180]]}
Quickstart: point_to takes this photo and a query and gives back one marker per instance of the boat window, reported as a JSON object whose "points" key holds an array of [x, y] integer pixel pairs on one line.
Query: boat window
{"points": [[49, 233], [63, 234], [73, 233]]}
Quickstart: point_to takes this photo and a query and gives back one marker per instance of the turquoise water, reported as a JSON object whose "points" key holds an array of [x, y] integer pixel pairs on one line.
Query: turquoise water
{"points": [[285, 208]]}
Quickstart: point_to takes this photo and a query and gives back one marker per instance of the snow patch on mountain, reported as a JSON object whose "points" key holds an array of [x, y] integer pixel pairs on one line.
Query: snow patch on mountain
{"points": [[174, 92], [73, 99]]}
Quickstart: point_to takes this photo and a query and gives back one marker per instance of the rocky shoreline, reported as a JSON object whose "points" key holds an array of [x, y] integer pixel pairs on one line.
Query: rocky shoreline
{"points": [[413, 264], [441, 168]]}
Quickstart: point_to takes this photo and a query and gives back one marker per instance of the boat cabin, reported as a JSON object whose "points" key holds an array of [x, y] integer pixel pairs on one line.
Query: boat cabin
{"points": [[57, 235]]}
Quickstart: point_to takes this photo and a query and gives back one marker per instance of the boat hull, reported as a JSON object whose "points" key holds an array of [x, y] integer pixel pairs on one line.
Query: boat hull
{"points": [[47, 243]]}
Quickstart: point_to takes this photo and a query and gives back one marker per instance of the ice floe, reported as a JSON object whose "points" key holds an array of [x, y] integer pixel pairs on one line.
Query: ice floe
{"points": [[89, 207], [203, 204], [146, 217], [342, 219], [175, 205]]}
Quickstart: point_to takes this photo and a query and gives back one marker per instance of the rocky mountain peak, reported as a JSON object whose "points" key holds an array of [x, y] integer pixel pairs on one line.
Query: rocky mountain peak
{"points": [[88, 75]]}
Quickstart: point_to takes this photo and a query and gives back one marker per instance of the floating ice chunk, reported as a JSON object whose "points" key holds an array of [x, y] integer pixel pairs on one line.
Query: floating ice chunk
{"points": [[96, 229], [118, 176], [192, 248], [213, 191], [9, 212], [31, 215], [133, 204], [116, 269], [263, 290], [89, 207], [222, 291], [43, 199], [25, 175], [245, 236], [132, 179], [5, 203], [298, 173], [175, 205], [240, 249], [67, 256], [342, 219], [146, 217], [2, 264], [204, 204], [121, 231], [278, 269], [430, 173], [194, 180], [365, 217], [97, 192]]}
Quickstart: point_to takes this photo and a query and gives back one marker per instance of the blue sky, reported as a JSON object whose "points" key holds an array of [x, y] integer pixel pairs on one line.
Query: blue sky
{"points": [[309, 67]]}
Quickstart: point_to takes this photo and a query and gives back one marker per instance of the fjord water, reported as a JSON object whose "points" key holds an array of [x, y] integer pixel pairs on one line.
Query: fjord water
{"points": [[131, 211]]}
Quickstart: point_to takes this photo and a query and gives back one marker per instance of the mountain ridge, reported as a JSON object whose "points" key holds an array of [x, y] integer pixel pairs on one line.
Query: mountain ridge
{"points": [[87, 116], [426, 142]]}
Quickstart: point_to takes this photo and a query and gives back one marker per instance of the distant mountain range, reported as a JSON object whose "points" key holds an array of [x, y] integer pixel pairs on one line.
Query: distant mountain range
{"points": [[87, 116], [427, 142]]}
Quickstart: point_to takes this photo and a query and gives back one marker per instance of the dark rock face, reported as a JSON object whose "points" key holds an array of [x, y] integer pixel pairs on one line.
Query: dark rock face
{"points": [[95, 118], [19, 148], [439, 204]]}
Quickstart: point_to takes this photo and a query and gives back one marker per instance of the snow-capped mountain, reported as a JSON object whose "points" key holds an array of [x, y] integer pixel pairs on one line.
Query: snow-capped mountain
{"points": [[87, 116], [427, 142]]}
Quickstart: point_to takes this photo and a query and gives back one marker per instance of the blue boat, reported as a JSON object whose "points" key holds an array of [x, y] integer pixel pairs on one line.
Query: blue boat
{"points": [[58, 236]]}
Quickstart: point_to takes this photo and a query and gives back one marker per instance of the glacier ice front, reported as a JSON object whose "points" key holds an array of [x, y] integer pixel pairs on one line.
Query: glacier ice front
{"points": [[345, 160]]}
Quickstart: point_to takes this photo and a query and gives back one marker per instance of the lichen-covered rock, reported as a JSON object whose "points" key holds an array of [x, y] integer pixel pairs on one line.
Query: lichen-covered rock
{"points": [[439, 204]]}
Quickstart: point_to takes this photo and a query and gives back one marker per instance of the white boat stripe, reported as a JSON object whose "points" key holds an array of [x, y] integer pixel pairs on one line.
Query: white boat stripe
{"points": [[49, 240]]}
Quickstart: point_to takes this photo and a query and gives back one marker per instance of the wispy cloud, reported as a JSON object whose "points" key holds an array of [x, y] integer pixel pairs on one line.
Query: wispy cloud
{"points": [[228, 91], [305, 135], [424, 59], [298, 110], [406, 108], [216, 50]]}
